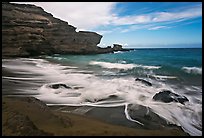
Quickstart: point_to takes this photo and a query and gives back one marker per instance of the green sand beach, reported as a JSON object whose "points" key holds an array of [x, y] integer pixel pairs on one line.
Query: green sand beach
{"points": [[31, 117]]}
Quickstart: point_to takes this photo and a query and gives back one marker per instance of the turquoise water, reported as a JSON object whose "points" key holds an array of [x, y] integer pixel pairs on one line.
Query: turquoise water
{"points": [[184, 64], [108, 80]]}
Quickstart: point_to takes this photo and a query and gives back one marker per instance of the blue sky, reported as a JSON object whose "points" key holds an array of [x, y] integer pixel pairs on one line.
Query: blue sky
{"points": [[134, 24]]}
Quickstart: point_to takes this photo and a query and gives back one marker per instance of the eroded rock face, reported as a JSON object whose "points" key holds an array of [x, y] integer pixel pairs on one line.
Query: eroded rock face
{"points": [[28, 30]]}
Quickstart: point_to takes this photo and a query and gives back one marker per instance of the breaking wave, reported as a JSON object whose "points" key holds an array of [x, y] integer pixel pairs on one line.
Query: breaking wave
{"points": [[162, 77], [193, 70], [110, 65], [89, 89]]}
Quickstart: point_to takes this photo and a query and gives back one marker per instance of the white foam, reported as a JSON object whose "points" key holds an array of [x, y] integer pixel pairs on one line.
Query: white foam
{"points": [[193, 88], [118, 52], [162, 77], [110, 65], [194, 70], [148, 67], [113, 65], [128, 116], [185, 116], [19, 78], [122, 61], [94, 89]]}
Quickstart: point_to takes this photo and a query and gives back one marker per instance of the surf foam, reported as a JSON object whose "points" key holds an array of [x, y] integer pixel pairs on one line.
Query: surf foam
{"points": [[194, 70], [95, 90], [110, 65]]}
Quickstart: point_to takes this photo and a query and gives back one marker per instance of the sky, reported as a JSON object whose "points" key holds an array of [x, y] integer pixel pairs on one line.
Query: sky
{"points": [[134, 24]]}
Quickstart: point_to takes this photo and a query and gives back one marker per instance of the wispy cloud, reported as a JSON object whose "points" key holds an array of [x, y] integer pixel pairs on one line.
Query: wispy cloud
{"points": [[136, 27], [158, 17], [157, 20], [157, 27], [91, 15], [104, 32], [146, 27], [182, 15], [129, 20]]}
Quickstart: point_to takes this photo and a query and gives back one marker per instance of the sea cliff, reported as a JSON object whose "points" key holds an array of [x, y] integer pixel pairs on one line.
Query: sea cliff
{"points": [[27, 30]]}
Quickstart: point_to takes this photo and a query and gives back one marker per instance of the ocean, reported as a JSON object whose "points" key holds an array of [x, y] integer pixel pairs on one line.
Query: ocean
{"points": [[108, 80]]}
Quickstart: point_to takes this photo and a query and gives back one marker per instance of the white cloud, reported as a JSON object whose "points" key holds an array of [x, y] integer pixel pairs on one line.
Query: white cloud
{"points": [[158, 17], [128, 20], [83, 15], [90, 15], [187, 14], [158, 20], [105, 32], [157, 27]]}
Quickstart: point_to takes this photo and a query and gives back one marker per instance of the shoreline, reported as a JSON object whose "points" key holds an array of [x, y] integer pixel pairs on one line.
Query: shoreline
{"points": [[110, 116], [43, 120]]}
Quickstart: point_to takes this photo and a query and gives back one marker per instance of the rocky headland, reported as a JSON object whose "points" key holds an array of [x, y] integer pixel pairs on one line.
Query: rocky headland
{"points": [[27, 30]]}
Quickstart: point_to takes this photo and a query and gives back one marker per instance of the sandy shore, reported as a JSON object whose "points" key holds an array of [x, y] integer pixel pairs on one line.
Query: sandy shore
{"points": [[23, 116]]}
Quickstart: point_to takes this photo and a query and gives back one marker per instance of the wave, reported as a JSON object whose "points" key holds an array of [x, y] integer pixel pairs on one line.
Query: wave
{"points": [[161, 77], [110, 65], [122, 61], [118, 52], [88, 89], [19, 78], [193, 70], [149, 67]]}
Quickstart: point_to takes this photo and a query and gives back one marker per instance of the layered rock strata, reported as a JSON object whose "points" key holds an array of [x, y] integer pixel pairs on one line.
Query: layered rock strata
{"points": [[27, 30]]}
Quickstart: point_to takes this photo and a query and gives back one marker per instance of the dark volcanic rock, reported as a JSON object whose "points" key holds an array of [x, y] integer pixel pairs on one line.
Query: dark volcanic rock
{"points": [[167, 96], [143, 81], [28, 30], [147, 117], [117, 47], [110, 97], [57, 86]]}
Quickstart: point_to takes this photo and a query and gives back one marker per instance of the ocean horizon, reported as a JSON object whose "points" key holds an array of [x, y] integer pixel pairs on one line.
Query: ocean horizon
{"points": [[199, 46]]}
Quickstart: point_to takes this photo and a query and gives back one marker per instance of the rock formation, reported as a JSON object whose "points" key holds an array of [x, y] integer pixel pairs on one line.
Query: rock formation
{"points": [[167, 96], [57, 86], [147, 117], [144, 81], [27, 30]]}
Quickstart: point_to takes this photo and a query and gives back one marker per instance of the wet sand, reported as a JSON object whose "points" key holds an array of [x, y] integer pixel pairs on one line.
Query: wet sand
{"points": [[24, 116]]}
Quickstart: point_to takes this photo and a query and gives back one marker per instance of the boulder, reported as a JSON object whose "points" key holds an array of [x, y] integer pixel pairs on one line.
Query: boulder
{"points": [[147, 117], [57, 86], [167, 96]]}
